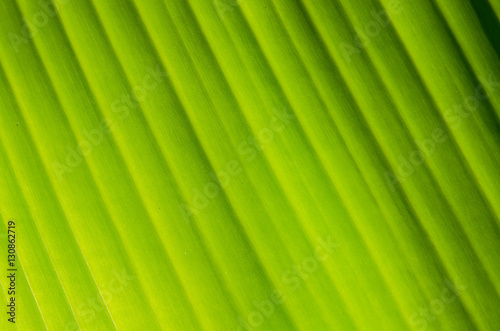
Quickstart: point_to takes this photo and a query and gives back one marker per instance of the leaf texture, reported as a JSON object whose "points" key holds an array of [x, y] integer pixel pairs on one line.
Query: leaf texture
{"points": [[251, 164]]}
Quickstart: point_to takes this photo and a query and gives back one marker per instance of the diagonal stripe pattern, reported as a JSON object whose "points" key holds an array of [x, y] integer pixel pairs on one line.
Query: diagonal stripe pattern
{"points": [[251, 164]]}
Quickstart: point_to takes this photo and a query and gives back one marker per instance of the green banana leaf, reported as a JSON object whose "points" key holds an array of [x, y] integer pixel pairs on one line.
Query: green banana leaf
{"points": [[250, 164]]}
